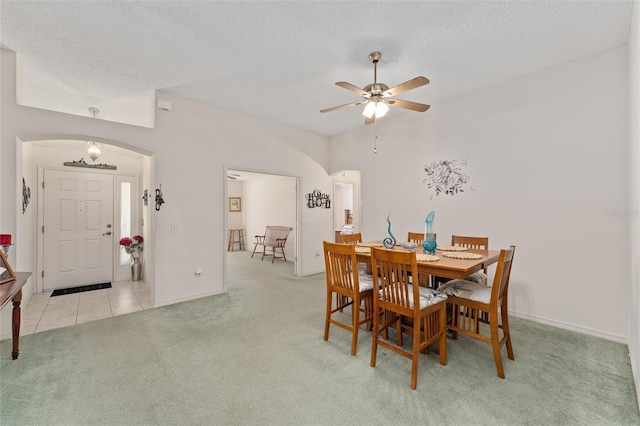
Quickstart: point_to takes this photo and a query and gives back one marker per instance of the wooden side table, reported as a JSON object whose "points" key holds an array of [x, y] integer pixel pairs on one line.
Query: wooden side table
{"points": [[12, 290], [236, 236]]}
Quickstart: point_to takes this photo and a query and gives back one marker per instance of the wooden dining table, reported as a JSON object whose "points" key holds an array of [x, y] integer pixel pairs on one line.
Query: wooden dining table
{"points": [[445, 266]]}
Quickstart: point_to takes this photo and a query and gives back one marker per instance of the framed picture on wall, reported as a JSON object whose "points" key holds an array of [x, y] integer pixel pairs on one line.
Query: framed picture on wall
{"points": [[235, 204], [6, 273]]}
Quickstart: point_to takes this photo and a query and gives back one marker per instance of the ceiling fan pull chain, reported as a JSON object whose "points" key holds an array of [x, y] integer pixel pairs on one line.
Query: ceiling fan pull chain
{"points": [[375, 139]]}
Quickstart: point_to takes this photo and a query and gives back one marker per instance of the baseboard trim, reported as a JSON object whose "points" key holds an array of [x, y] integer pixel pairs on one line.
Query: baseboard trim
{"points": [[635, 373], [572, 327], [188, 298]]}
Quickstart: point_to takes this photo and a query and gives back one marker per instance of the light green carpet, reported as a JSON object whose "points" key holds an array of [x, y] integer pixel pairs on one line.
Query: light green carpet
{"points": [[255, 356]]}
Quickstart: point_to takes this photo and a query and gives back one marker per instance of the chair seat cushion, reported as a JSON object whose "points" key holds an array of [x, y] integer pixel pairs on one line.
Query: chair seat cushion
{"points": [[428, 297], [467, 290], [366, 280], [477, 277]]}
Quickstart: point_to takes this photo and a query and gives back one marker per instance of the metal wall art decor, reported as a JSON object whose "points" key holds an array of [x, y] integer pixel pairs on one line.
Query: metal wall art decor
{"points": [[159, 199], [318, 199], [389, 242], [26, 195], [82, 163], [447, 176]]}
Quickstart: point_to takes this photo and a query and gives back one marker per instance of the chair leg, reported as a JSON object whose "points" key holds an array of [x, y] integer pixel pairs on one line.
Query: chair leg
{"points": [[415, 353], [355, 316], [495, 342], [507, 333], [374, 340], [327, 316], [442, 340], [283, 255], [254, 250]]}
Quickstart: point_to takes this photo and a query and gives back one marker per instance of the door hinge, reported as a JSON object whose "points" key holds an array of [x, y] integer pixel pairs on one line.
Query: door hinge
{"points": [[43, 274], [42, 184], [43, 229]]}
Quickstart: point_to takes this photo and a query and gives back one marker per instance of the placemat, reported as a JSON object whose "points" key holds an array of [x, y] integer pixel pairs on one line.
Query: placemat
{"points": [[371, 244], [461, 255], [452, 248], [423, 257], [365, 250]]}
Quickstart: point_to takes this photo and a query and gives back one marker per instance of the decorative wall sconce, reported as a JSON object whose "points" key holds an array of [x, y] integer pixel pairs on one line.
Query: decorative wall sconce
{"points": [[145, 197], [318, 199], [26, 195], [159, 199]]}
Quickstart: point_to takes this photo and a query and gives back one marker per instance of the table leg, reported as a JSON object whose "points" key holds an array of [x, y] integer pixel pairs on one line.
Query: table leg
{"points": [[15, 324]]}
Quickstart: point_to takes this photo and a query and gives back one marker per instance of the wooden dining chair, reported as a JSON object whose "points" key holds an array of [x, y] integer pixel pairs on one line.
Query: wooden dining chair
{"points": [[351, 287], [469, 300], [351, 238], [415, 237], [398, 298], [474, 243]]}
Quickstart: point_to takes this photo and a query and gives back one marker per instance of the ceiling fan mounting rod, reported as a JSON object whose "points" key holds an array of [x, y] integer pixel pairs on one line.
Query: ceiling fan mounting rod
{"points": [[375, 57]]}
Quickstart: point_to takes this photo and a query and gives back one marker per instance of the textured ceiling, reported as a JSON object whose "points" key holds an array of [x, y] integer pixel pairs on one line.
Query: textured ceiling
{"points": [[279, 60]]}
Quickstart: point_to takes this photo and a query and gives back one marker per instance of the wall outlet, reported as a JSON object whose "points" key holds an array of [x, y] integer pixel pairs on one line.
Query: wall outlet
{"points": [[198, 272]]}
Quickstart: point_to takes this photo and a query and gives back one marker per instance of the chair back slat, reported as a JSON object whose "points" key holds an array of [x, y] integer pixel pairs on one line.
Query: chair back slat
{"points": [[476, 243], [503, 274], [417, 237], [394, 268], [339, 262], [351, 238]]}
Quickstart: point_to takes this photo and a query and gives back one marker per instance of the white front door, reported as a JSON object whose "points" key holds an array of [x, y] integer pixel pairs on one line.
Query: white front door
{"points": [[78, 229]]}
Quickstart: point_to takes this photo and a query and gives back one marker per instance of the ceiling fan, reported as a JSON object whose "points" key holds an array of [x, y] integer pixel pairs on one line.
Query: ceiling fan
{"points": [[378, 96]]}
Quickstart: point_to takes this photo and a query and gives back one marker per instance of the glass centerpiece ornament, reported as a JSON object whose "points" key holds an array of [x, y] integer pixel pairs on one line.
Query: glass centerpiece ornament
{"points": [[429, 244], [389, 242]]}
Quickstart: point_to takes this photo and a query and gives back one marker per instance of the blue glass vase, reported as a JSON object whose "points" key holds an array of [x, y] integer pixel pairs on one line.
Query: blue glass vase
{"points": [[429, 244]]}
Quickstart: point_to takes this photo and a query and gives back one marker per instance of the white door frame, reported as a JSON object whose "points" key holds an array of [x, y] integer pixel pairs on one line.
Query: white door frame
{"points": [[225, 232]]}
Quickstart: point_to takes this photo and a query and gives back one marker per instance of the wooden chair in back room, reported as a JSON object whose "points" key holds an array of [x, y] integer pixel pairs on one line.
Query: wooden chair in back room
{"points": [[274, 239]]}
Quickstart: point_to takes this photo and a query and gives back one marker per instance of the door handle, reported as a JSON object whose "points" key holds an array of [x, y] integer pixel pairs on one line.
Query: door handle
{"points": [[107, 233]]}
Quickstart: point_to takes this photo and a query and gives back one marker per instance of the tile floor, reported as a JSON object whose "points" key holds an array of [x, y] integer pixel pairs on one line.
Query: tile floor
{"points": [[44, 312]]}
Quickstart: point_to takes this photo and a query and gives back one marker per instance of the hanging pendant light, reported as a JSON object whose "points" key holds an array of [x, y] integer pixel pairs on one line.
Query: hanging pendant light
{"points": [[94, 150], [94, 147]]}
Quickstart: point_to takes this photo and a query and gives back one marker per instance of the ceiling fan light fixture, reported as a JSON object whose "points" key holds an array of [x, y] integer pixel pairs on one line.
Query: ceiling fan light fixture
{"points": [[369, 110], [381, 109]]}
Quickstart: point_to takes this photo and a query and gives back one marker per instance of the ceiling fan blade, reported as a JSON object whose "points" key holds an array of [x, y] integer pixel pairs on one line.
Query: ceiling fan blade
{"points": [[407, 85], [353, 88], [342, 106], [414, 106]]}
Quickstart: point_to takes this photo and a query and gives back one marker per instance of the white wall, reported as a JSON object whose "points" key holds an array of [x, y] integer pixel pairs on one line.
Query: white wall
{"points": [[271, 201], [547, 156], [634, 191], [189, 147]]}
